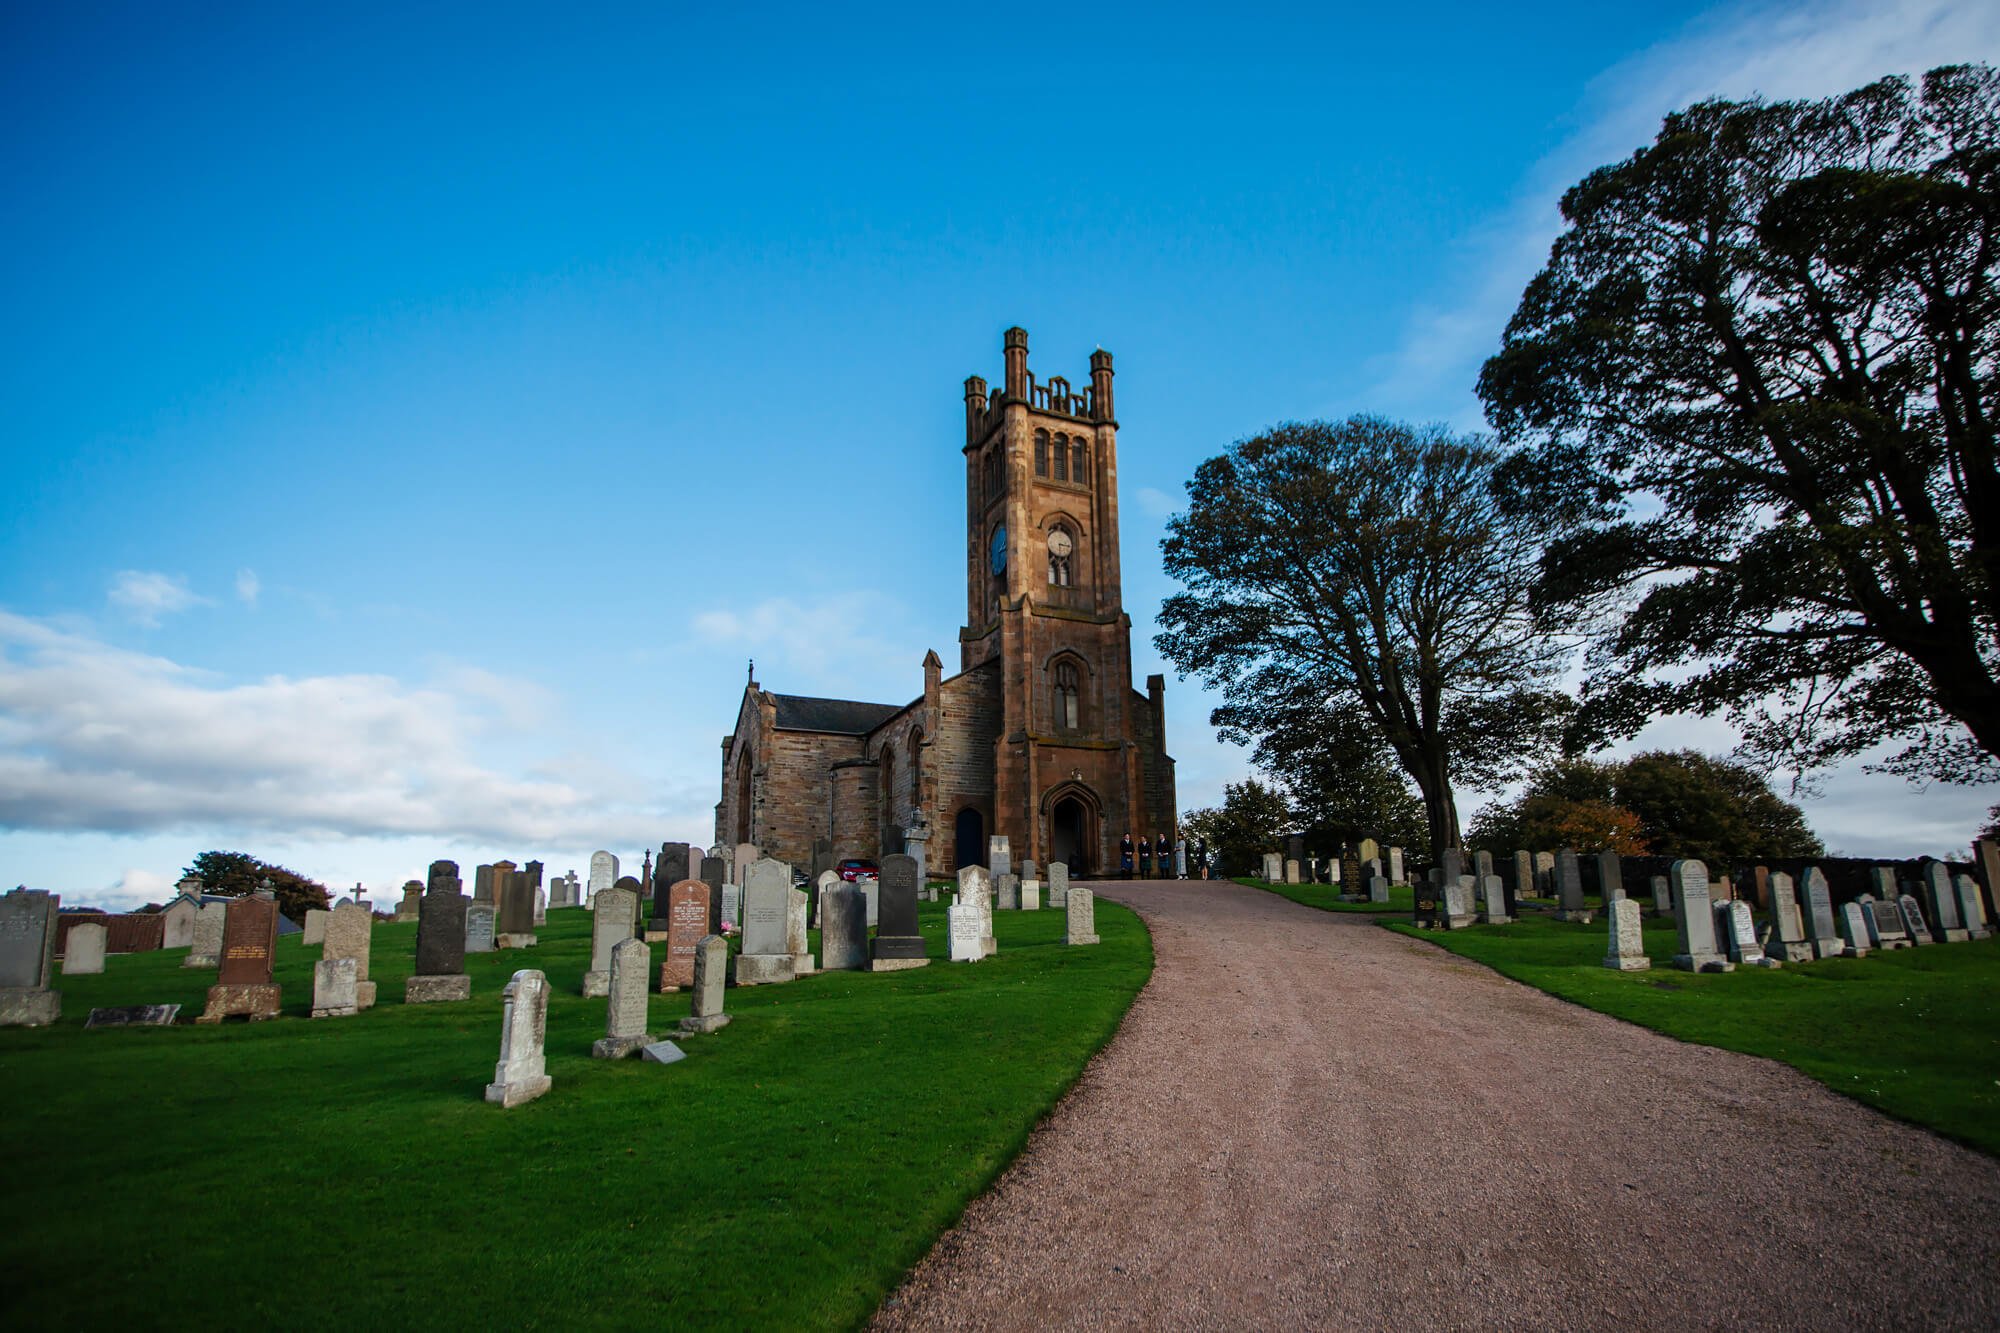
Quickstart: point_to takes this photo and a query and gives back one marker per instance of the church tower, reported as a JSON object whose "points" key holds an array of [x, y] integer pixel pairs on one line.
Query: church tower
{"points": [[1080, 758]]}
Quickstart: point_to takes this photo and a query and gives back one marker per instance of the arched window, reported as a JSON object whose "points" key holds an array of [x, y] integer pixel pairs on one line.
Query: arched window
{"points": [[992, 473], [1042, 454], [1079, 467], [1062, 458], [1067, 690], [1062, 550]]}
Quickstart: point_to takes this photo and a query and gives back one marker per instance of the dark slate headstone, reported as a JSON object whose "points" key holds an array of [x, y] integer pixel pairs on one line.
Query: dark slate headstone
{"points": [[443, 877], [27, 939], [669, 870], [482, 887], [714, 873], [896, 933], [249, 934], [134, 1016], [517, 903], [441, 932]]}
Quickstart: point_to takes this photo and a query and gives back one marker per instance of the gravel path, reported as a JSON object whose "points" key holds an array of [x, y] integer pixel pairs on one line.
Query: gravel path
{"points": [[1307, 1121]]}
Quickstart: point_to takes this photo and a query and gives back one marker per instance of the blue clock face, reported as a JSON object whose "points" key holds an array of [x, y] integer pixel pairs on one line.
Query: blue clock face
{"points": [[997, 554]]}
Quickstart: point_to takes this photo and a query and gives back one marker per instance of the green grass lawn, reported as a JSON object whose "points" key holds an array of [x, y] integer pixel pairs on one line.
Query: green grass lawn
{"points": [[1326, 897], [345, 1172], [1910, 1032]]}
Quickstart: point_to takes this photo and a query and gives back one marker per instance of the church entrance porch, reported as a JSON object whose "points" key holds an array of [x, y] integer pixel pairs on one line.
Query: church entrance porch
{"points": [[1072, 825]]}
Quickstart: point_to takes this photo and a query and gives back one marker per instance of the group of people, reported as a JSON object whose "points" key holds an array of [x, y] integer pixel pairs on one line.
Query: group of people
{"points": [[1155, 859]]}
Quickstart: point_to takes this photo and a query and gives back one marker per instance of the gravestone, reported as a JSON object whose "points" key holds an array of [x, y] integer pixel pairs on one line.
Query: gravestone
{"points": [[669, 870], [999, 858], [1740, 934], [134, 1016], [1274, 868], [1663, 898], [687, 927], [1970, 910], [482, 888], [83, 950], [1569, 888], [615, 921], [714, 873], [243, 980], [517, 908], [334, 988], [1914, 924], [1626, 951], [1007, 892], [1760, 885], [347, 936], [1821, 922], [1396, 865], [1854, 930], [1694, 920], [479, 930], [822, 858], [206, 951], [1940, 903], [975, 889], [1545, 874], [897, 943], [1493, 896], [732, 904], [1788, 927], [1031, 895], [1885, 924], [740, 861], [1291, 870], [1456, 894], [1368, 850], [1058, 883], [1610, 876], [413, 896], [1482, 865], [661, 1053], [1350, 874], [711, 966], [767, 956], [27, 958], [1986, 862], [1524, 875], [177, 923], [798, 940], [843, 929], [522, 1073], [916, 844], [1080, 916], [1883, 880], [603, 875], [963, 936], [1378, 889], [314, 930], [625, 1010], [440, 974]]}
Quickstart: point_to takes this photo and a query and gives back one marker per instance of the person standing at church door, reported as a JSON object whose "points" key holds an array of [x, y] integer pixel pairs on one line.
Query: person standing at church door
{"points": [[1163, 855], [1145, 857], [1201, 858]]}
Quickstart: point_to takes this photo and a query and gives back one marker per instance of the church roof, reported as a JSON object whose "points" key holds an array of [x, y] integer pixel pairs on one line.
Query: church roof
{"points": [[798, 712]]}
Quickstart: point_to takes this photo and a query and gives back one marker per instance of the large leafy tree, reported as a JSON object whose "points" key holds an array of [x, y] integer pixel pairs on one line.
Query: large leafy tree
{"points": [[233, 874], [1247, 824], [1359, 571], [1341, 780], [1755, 388]]}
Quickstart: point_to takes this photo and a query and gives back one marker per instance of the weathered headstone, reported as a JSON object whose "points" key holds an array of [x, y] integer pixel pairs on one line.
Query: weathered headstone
{"points": [[83, 950], [27, 958], [964, 925], [1970, 910], [413, 897], [898, 945], [745, 855], [1456, 894], [714, 873], [1740, 934], [1913, 920], [1031, 895], [334, 988], [517, 909], [1940, 903], [1854, 930], [975, 889], [798, 939], [243, 979], [999, 856], [1396, 865], [482, 887], [1545, 874], [1291, 871], [1378, 889], [1080, 916], [348, 932], [766, 956], [1694, 920], [479, 932], [1884, 920], [603, 875], [1007, 892], [1986, 863], [732, 904], [1274, 868], [1493, 900], [134, 1016], [1663, 896], [669, 870], [314, 930], [522, 1073], [206, 951], [1058, 883], [711, 966], [1627, 942], [687, 927], [625, 1013], [1523, 869], [843, 929], [615, 921], [1569, 888], [440, 974], [177, 923], [1610, 876], [1789, 942], [661, 1053]]}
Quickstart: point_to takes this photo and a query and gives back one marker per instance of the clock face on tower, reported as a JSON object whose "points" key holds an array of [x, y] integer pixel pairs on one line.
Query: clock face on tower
{"points": [[997, 555]]}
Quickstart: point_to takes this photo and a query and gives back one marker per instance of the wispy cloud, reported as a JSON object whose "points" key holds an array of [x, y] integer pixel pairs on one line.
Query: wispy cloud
{"points": [[248, 586], [147, 595], [851, 640]]}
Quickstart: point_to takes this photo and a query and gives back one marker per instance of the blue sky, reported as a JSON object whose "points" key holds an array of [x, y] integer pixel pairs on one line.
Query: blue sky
{"points": [[414, 417]]}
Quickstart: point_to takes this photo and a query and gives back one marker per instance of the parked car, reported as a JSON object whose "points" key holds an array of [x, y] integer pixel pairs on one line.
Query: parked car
{"points": [[849, 871]]}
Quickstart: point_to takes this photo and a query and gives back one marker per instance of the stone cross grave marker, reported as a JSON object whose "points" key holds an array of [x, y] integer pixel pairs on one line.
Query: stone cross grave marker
{"points": [[625, 1014], [522, 1072], [615, 921], [711, 965]]}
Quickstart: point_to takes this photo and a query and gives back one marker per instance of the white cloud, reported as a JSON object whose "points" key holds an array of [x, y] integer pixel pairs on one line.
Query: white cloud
{"points": [[839, 643], [137, 887], [100, 739], [146, 595], [1154, 502], [248, 586], [1812, 50]]}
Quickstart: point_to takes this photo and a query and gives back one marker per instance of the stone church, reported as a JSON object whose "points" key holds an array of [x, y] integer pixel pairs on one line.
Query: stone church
{"points": [[1040, 735]]}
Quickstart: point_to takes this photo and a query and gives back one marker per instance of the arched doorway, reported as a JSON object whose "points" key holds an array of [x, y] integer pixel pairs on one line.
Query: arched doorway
{"points": [[968, 839], [1069, 835]]}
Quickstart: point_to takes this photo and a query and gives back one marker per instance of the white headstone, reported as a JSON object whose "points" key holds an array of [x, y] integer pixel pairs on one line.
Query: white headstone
{"points": [[1080, 916], [965, 939], [1626, 949], [522, 1073]]}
